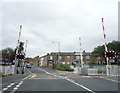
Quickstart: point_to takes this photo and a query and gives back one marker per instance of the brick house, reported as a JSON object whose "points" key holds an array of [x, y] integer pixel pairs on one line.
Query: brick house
{"points": [[64, 58]]}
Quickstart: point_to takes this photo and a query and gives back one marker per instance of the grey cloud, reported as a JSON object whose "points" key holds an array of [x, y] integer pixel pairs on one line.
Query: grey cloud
{"points": [[61, 21]]}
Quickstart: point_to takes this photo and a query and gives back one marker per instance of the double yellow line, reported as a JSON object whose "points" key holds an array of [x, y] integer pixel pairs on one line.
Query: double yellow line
{"points": [[33, 76]]}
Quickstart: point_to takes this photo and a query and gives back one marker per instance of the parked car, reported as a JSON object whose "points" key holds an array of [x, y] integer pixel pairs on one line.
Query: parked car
{"points": [[28, 65]]}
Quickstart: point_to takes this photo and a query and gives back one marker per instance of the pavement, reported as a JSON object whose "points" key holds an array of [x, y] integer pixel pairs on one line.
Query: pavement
{"points": [[45, 79], [110, 78], [15, 78]]}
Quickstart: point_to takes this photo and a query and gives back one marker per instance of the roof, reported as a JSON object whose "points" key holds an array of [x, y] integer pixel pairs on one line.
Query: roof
{"points": [[66, 54], [69, 53]]}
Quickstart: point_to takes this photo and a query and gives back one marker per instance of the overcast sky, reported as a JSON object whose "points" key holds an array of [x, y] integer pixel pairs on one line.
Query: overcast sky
{"points": [[61, 21]]}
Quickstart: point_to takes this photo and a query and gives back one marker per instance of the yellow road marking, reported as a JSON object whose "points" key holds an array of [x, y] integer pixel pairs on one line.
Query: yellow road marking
{"points": [[86, 76], [34, 75]]}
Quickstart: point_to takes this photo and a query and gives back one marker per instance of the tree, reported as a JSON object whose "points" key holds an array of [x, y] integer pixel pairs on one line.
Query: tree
{"points": [[113, 46], [8, 54], [99, 51]]}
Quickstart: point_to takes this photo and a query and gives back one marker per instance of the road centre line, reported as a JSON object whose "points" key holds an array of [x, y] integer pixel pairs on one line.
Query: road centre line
{"points": [[71, 80]]}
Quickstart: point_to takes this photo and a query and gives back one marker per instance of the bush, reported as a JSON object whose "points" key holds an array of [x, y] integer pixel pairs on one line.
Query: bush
{"points": [[99, 72], [63, 67], [91, 63], [1, 75]]}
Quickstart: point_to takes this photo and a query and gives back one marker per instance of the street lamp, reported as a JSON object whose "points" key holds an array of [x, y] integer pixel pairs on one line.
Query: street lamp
{"points": [[58, 52], [81, 55]]}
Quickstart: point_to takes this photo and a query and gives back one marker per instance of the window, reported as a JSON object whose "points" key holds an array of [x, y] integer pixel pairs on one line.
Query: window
{"points": [[77, 57], [51, 57], [68, 62], [87, 57], [68, 57], [60, 57]]}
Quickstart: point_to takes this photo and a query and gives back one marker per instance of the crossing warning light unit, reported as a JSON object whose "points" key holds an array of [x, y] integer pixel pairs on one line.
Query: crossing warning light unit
{"points": [[110, 54], [20, 56]]}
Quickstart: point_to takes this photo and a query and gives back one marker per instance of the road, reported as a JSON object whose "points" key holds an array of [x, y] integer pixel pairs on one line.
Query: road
{"points": [[45, 79]]}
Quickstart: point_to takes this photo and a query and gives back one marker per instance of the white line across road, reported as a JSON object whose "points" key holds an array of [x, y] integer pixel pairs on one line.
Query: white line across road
{"points": [[70, 80]]}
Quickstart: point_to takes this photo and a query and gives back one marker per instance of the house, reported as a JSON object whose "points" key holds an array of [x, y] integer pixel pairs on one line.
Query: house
{"points": [[64, 58]]}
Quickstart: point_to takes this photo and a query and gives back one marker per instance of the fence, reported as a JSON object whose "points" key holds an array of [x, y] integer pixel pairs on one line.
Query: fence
{"points": [[100, 70], [7, 70], [114, 70]]}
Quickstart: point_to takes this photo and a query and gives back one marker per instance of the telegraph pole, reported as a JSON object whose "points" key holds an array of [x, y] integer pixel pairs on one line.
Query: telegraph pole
{"points": [[81, 55], [105, 45]]}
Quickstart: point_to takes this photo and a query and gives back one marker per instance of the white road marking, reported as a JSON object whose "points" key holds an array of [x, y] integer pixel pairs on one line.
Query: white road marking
{"points": [[27, 77], [10, 85], [44, 71], [45, 78], [72, 81], [16, 87], [29, 71], [110, 79], [80, 85], [5, 89]]}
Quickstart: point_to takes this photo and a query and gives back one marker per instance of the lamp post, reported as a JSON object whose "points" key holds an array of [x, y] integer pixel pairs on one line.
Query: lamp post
{"points": [[81, 55], [58, 52]]}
